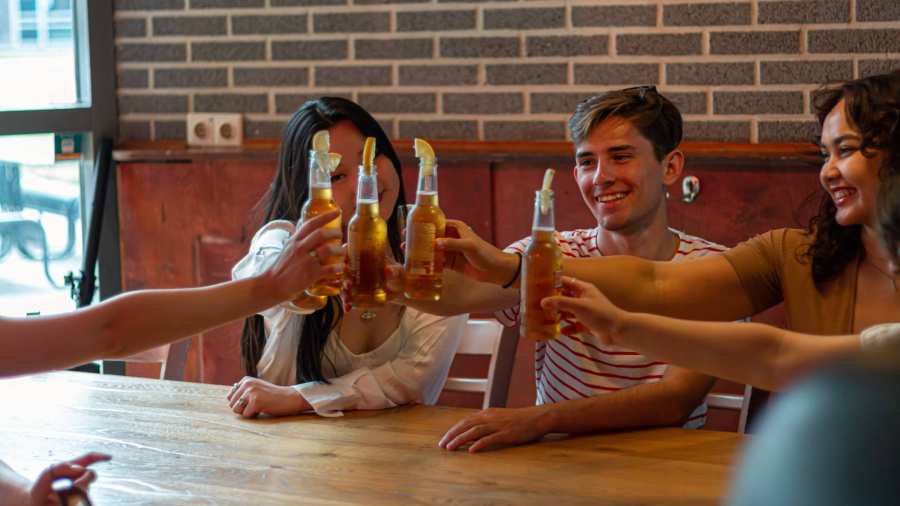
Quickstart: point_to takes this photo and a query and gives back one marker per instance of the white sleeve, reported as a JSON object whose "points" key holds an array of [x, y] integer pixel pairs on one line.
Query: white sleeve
{"points": [[509, 317], [880, 336], [265, 248], [416, 374]]}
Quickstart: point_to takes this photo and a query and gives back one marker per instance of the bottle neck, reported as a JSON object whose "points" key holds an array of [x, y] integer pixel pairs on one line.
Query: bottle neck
{"points": [[427, 183], [544, 219], [319, 175], [367, 190]]}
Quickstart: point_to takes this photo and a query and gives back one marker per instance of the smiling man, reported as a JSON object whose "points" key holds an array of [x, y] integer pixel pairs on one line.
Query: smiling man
{"points": [[626, 154]]}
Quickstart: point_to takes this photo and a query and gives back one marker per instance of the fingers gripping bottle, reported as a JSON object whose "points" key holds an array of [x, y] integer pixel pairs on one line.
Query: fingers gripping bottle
{"points": [[541, 269], [425, 224], [320, 201], [366, 239]]}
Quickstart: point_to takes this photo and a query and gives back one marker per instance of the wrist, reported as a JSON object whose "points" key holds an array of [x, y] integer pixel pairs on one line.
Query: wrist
{"points": [[620, 323], [300, 405], [506, 268], [267, 288], [547, 418]]}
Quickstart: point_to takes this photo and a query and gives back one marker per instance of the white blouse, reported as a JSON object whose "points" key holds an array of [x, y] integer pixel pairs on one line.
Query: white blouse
{"points": [[410, 366]]}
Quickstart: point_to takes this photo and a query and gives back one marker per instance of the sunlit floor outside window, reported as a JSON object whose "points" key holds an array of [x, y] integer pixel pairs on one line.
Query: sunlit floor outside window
{"points": [[24, 288], [39, 200]]}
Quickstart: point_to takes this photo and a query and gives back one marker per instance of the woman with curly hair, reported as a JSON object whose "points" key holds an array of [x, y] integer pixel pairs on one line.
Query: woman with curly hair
{"points": [[838, 277]]}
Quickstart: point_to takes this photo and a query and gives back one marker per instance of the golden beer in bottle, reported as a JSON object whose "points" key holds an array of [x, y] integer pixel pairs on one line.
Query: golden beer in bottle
{"points": [[541, 273], [426, 223], [320, 201], [366, 239]]}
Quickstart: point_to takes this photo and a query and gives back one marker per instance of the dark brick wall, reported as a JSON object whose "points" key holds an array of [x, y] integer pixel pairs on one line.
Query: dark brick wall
{"points": [[739, 70]]}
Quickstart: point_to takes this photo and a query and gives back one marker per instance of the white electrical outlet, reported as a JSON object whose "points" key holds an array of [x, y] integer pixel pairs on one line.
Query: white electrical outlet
{"points": [[229, 129], [200, 130]]}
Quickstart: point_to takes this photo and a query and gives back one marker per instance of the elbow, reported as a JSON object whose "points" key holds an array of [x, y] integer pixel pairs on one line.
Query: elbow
{"points": [[679, 410]]}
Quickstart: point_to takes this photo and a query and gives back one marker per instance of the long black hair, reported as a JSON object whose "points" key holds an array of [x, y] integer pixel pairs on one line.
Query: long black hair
{"points": [[872, 107], [284, 201]]}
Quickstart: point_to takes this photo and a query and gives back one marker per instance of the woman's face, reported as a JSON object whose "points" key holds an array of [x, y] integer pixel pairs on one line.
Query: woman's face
{"points": [[348, 141], [849, 177]]}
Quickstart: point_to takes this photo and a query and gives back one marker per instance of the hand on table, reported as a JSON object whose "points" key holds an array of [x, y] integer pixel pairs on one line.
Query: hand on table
{"points": [[252, 396], [493, 428]]}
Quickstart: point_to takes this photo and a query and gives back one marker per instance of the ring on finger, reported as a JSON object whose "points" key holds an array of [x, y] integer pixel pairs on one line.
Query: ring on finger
{"points": [[242, 402], [233, 389]]}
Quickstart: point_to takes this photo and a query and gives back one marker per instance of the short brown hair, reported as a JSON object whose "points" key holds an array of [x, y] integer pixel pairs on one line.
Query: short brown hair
{"points": [[657, 118]]}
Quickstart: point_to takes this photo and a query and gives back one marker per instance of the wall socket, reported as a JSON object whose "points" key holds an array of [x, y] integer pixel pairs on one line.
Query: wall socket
{"points": [[214, 129]]}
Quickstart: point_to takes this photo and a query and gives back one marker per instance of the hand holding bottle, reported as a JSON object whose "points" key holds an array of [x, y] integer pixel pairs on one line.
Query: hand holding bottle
{"points": [[472, 256]]}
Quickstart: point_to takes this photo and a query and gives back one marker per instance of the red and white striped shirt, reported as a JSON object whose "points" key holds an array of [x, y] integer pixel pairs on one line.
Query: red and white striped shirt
{"points": [[577, 364]]}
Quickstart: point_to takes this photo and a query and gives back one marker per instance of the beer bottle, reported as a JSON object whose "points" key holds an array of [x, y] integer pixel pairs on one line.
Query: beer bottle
{"points": [[426, 222], [366, 239], [541, 269], [321, 165]]}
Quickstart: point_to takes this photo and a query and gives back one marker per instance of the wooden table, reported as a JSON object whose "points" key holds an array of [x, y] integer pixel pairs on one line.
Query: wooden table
{"points": [[177, 443]]}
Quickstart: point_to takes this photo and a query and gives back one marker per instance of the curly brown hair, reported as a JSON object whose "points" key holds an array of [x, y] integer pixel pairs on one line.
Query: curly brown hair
{"points": [[889, 215], [872, 107]]}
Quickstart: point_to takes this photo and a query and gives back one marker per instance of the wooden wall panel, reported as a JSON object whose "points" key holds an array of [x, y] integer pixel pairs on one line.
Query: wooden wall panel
{"points": [[164, 208]]}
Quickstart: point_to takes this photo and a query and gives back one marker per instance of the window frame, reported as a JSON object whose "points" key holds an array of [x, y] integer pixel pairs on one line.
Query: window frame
{"points": [[95, 68]]}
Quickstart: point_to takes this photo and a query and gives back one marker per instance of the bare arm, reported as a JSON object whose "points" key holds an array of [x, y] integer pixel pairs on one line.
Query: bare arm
{"points": [[705, 288], [465, 295], [136, 321], [667, 402], [14, 488], [753, 353]]}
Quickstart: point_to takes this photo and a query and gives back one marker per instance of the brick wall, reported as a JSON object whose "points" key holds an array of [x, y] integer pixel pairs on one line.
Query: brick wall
{"points": [[494, 70]]}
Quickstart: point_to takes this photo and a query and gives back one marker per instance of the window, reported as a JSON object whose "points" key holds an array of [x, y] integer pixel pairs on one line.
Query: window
{"points": [[41, 229], [56, 105]]}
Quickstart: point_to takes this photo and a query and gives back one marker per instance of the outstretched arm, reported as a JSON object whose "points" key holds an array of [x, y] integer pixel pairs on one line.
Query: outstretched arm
{"points": [[753, 353], [705, 288], [140, 320]]}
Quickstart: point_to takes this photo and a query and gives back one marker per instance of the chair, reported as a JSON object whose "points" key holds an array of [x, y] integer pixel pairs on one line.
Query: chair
{"points": [[488, 337], [750, 404]]}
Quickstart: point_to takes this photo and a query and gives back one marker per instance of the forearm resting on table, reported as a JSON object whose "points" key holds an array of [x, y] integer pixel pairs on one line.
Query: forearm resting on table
{"points": [[760, 355], [664, 403]]}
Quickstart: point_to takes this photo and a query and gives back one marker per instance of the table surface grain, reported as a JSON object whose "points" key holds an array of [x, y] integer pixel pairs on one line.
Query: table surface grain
{"points": [[177, 443]]}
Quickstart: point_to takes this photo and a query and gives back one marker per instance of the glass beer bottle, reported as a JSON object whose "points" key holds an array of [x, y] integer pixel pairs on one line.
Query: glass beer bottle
{"points": [[320, 201], [366, 240], [541, 273], [426, 222]]}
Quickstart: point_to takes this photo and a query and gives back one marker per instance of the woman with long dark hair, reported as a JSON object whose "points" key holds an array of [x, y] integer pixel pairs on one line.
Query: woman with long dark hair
{"points": [[327, 360]]}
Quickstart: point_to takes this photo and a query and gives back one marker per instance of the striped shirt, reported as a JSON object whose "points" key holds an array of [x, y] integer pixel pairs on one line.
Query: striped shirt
{"points": [[577, 364]]}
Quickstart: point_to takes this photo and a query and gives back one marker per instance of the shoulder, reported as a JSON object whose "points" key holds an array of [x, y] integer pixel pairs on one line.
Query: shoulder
{"points": [[580, 242], [279, 230], [694, 246]]}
